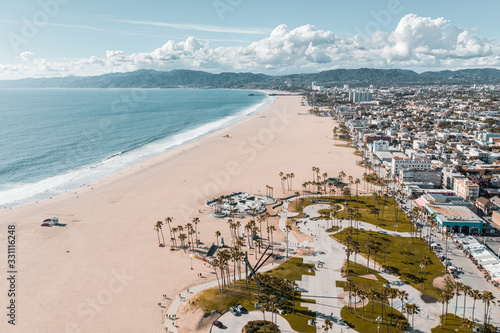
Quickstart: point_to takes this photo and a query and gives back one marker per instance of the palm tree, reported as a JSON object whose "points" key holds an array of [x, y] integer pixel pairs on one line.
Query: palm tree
{"points": [[467, 290], [348, 252], [281, 174], [271, 229], [371, 294], [458, 288], [182, 238], [488, 299], [217, 234], [448, 297], [426, 260], [375, 251], [349, 285], [260, 219], [403, 296], [157, 228], [402, 325], [368, 248], [412, 309], [476, 295], [168, 220], [174, 239], [288, 229], [355, 249], [392, 294], [341, 176], [467, 324], [357, 182], [327, 325], [362, 297], [442, 299], [196, 220]]}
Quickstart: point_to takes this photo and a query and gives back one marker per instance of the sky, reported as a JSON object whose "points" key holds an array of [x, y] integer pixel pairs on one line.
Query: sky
{"points": [[46, 38]]}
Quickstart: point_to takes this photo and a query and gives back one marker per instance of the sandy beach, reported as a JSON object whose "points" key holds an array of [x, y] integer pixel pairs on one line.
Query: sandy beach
{"points": [[104, 271]]}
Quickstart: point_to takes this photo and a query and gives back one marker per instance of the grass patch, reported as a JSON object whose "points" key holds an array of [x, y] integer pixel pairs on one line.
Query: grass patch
{"points": [[292, 269], [353, 318], [383, 217], [333, 229], [402, 258], [260, 326], [366, 206], [453, 324]]}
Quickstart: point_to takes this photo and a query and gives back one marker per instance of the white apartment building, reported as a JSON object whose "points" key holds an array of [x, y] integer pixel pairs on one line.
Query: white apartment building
{"points": [[399, 164], [466, 189]]}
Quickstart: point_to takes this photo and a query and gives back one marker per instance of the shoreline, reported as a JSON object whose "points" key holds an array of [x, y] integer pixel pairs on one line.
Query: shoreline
{"points": [[104, 270], [89, 179]]}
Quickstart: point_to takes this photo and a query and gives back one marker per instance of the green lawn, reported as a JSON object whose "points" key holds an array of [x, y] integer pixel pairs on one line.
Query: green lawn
{"points": [[402, 258], [366, 205], [257, 326], [354, 319], [453, 324], [292, 269], [333, 229], [363, 283], [386, 217]]}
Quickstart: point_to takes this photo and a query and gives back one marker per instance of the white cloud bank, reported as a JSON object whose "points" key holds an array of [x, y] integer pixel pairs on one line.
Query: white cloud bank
{"points": [[416, 42]]}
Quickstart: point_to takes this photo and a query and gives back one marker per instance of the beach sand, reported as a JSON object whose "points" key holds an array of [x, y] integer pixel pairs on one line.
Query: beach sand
{"points": [[104, 271]]}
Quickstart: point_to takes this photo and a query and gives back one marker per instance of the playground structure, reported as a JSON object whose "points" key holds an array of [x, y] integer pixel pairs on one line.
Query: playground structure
{"points": [[240, 203]]}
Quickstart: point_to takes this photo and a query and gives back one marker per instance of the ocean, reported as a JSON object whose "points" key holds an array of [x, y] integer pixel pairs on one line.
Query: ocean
{"points": [[56, 140]]}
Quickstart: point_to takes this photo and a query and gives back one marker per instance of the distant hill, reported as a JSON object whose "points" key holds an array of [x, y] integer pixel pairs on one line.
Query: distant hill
{"points": [[147, 78]]}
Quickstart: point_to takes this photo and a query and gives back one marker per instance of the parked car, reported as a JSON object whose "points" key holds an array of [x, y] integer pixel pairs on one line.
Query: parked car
{"points": [[234, 311], [241, 309], [217, 324]]}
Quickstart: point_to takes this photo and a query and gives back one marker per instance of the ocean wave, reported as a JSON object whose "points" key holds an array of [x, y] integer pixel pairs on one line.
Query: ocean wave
{"points": [[18, 193]]}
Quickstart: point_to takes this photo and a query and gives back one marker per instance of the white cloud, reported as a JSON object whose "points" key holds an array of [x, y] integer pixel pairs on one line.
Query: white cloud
{"points": [[197, 27], [25, 56], [416, 42]]}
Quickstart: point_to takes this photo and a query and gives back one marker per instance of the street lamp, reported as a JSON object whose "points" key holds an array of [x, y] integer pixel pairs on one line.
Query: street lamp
{"points": [[421, 268], [396, 226], [379, 320], [191, 257]]}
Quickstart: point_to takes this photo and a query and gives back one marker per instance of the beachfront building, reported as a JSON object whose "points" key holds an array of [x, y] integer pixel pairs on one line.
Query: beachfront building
{"points": [[452, 214], [466, 189], [380, 145], [431, 177], [399, 163]]}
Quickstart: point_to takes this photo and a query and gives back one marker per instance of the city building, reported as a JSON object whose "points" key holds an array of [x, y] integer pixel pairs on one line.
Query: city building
{"points": [[453, 215], [466, 189], [399, 164], [357, 96], [421, 176], [449, 176]]}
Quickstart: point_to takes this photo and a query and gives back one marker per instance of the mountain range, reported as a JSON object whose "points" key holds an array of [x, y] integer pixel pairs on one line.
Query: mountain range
{"points": [[148, 78]]}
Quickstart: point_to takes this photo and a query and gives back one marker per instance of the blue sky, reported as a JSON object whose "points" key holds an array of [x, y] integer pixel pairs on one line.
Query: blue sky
{"points": [[63, 37]]}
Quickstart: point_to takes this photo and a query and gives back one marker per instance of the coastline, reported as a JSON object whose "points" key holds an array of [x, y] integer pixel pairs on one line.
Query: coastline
{"points": [[104, 270], [89, 174]]}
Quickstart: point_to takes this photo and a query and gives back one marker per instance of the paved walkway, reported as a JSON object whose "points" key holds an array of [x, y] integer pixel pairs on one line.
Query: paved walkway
{"points": [[332, 254], [328, 258], [186, 296]]}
